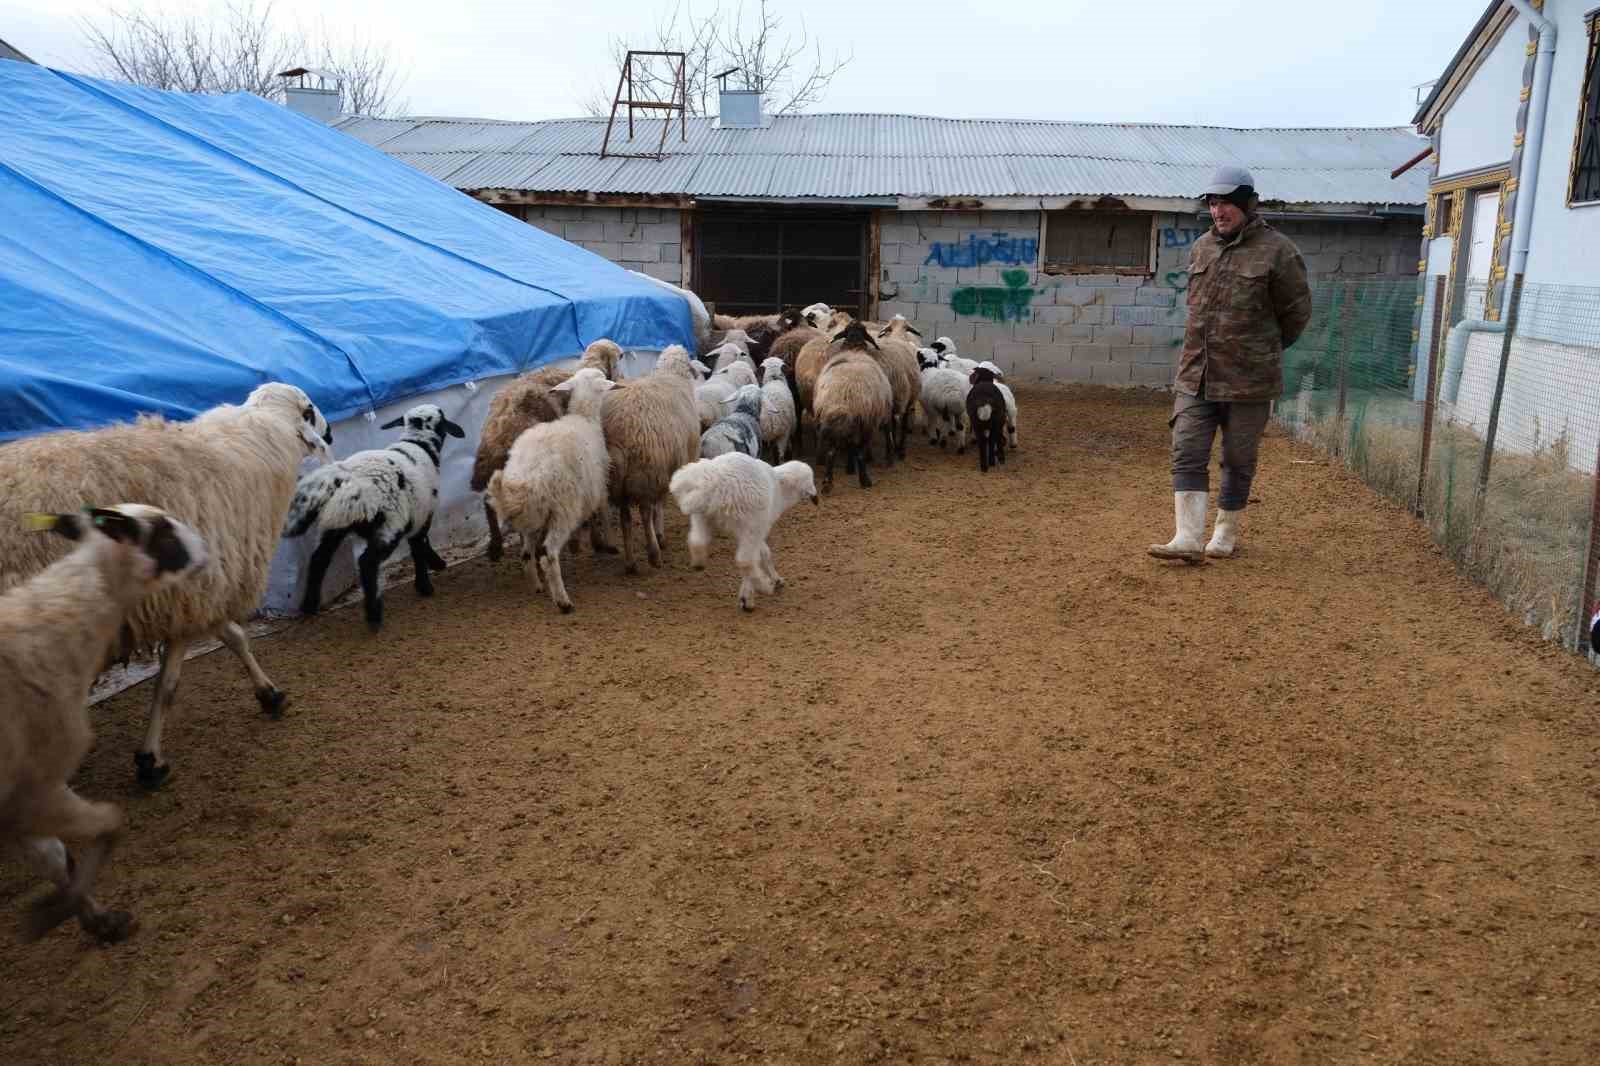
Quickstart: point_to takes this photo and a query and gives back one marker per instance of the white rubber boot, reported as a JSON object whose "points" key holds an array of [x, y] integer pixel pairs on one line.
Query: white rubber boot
{"points": [[1189, 511], [1225, 537]]}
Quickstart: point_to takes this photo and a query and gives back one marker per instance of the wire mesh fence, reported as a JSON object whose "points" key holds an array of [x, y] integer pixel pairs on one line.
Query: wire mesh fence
{"points": [[1488, 431]]}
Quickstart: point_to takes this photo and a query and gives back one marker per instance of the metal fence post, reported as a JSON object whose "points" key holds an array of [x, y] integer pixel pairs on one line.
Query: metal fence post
{"points": [[1344, 361], [1430, 404], [1499, 388], [1591, 567]]}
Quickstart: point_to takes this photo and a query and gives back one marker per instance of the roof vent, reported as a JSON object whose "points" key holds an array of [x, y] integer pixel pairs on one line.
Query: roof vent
{"points": [[320, 101], [737, 109]]}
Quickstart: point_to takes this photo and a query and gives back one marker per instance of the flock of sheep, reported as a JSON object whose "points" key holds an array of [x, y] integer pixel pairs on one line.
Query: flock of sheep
{"points": [[559, 449]]}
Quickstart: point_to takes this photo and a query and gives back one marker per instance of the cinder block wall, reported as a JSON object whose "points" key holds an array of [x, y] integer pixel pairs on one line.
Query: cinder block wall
{"points": [[975, 277], [645, 239]]}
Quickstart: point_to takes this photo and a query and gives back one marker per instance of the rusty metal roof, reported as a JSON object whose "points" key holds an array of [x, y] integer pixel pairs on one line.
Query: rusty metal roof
{"points": [[862, 156]]}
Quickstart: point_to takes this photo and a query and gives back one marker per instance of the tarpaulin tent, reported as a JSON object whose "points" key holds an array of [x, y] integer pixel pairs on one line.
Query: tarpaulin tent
{"points": [[164, 252]]}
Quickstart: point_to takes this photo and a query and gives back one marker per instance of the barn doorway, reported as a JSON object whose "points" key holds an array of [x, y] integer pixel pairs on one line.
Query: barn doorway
{"points": [[756, 262]]}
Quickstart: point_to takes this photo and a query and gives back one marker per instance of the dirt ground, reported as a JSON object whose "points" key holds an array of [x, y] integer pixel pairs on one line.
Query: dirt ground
{"points": [[984, 784]]}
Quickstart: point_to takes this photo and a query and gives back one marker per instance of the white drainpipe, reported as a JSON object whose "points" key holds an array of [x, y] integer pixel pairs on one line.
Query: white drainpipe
{"points": [[1522, 223]]}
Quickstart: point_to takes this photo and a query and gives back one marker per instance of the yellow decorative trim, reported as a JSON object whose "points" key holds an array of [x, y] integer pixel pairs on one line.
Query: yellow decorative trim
{"points": [[1526, 94], [1511, 185], [1422, 266], [1533, 48], [1416, 334], [1420, 301], [1519, 140]]}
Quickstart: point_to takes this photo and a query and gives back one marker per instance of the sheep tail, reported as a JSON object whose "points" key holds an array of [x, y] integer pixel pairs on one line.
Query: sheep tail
{"points": [[688, 489], [509, 509]]}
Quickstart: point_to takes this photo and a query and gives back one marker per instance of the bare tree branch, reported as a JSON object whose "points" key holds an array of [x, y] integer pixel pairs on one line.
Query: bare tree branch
{"points": [[239, 47], [790, 73]]}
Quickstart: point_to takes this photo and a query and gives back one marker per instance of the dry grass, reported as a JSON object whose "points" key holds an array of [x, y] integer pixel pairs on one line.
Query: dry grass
{"points": [[1525, 540]]}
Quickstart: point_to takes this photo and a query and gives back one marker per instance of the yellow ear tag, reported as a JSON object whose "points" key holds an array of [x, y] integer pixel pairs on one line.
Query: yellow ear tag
{"points": [[35, 522]]}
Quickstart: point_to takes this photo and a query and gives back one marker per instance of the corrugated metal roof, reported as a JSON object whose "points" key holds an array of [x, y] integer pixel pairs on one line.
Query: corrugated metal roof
{"points": [[856, 156]]}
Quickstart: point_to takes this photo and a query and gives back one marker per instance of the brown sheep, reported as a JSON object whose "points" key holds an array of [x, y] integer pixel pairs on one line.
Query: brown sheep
{"points": [[522, 402], [651, 430], [897, 354], [853, 398]]}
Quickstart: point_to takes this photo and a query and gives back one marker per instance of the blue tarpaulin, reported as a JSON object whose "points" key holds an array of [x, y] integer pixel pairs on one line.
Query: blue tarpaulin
{"points": [[163, 252]]}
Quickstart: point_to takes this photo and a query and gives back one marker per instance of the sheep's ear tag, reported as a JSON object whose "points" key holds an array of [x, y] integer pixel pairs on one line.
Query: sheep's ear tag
{"points": [[36, 522]]}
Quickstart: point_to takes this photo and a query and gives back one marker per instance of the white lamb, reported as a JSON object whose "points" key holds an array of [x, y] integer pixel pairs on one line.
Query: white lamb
{"points": [[741, 497], [55, 630], [726, 354], [777, 409], [944, 403], [384, 495], [555, 479]]}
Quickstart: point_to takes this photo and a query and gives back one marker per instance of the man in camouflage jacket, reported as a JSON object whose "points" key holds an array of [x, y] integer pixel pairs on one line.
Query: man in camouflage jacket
{"points": [[1248, 301]]}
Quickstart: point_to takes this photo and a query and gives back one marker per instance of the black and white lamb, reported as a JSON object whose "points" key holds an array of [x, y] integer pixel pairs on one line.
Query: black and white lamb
{"points": [[986, 411], [384, 496], [739, 428]]}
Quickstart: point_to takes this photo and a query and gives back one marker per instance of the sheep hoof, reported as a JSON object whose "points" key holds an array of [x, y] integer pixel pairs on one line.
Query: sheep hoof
{"points": [[746, 605], [109, 927], [272, 701], [48, 913], [424, 590], [631, 568], [310, 607], [566, 608], [497, 551], [149, 775]]}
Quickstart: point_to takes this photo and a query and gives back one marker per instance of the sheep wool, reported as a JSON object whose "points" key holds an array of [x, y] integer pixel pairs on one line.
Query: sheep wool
{"points": [[555, 480], [384, 495], [853, 400], [742, 497], [777, 409], [229, 474], [54, 631], [651, 430], [739, 428]]}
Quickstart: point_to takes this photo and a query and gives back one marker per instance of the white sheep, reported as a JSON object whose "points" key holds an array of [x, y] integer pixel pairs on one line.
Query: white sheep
{"points": [[712, 395], [741, 497], [229, 473], [555, 479], [726, 354], [384, 495], [816, 314], [944, 401], [55, 631], [739, 428], [777, 409]]}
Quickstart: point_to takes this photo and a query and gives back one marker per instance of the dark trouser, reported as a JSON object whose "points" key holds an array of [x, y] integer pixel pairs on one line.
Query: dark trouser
{"points": [[1194, 425]]}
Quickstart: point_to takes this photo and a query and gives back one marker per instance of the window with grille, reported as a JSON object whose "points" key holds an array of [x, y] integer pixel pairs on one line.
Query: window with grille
{"points": [[1585, 186], [1094, 242]]}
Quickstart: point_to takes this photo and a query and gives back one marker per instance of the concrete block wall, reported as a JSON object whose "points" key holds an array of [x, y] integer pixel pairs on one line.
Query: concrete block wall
{"points": [[646, 239], [975, 277]]}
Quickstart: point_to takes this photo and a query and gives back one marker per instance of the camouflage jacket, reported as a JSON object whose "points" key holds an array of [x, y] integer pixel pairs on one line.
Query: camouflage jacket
{"points": [[1248, 301]]}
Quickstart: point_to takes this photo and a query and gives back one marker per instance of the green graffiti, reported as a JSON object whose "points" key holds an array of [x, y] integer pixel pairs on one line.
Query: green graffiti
{"points": [[1010, 304]]}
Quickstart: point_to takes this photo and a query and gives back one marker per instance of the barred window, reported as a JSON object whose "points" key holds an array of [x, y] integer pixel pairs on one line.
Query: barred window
{"points": [[1093, 242], [1585, 186]]}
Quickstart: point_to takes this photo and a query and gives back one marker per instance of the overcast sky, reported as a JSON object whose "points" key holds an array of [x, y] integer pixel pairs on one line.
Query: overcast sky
{"points": [[1223, 62]]}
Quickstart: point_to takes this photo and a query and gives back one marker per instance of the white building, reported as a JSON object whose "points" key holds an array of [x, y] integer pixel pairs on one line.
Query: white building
{"points": [[1515, 126]]}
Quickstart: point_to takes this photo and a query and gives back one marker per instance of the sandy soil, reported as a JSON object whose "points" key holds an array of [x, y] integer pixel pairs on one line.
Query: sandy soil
{"points": [[985, 783]]}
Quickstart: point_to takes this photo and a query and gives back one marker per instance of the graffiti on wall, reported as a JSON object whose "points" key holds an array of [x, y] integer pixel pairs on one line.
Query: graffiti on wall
{"points": [[1011, 303], [1177, 279], [1174, 237], [977, 251]]}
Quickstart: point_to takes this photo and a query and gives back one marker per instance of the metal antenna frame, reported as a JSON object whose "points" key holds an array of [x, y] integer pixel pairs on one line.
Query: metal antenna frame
{"points": [[678, 103]]}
